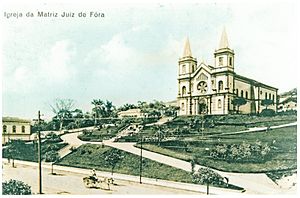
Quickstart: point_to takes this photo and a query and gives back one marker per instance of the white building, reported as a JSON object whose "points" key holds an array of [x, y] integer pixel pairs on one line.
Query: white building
{"points": [[136, 113], [209, 89], [15, 128]]}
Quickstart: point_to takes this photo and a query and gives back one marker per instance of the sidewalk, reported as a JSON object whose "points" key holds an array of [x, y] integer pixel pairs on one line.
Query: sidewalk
{"points": [[156, 182]]}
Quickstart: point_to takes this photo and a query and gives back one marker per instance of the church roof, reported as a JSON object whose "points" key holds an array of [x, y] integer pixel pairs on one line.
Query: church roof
{"points": [[254, 81], [187, 49], [224, 40]]}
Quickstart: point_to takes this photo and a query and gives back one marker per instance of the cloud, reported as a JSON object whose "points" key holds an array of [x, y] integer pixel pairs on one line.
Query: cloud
{"points": [[57, 65], [53, 67]]}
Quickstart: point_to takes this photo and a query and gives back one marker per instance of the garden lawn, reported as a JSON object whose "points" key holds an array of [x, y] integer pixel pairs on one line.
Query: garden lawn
{"points": [[29, 152], [93, 156], [283, 155]]}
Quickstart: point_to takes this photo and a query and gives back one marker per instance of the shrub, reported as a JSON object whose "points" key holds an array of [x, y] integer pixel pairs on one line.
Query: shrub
{"points": [[207, 176], [244, 152], [267, 112], [15, 187]]}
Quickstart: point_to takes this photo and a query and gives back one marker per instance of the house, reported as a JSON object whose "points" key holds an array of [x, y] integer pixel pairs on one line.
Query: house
{"points": [[136, 113], [15, 128]]}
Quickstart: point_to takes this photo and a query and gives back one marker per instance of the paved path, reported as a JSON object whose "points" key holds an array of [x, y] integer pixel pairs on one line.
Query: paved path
{"points": [[247, 181], [255, 129], [68, 180]]}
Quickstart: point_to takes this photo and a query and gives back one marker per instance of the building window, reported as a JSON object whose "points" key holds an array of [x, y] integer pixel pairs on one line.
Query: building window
{"points": [[183, 90], [230, 61], [14, 129], [242, 93], [193, 68], [4, 128], [192, 87], [266, 95], [269, 96], [183, 69], [273, 98], [182, 106], [219, 103], [246, 94], [220, 61], [220, 85], [237, 92], [23, 129]]}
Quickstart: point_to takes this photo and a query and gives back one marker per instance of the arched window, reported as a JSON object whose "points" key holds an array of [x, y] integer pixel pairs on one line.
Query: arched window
{"points": [[193, 68], [242, 93], [183, 69], [273, 98], [4, 128], [219, 103], [266, 95], [182, 106], [230, 61], [237, 92], [269, 96], [246, 94], [220, 61], [183, 90], [220, 85], [14, 129], [23, 129]]}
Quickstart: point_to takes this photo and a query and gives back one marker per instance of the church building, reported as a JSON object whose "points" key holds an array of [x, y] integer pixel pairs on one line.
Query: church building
{"points": [[210, 89]]}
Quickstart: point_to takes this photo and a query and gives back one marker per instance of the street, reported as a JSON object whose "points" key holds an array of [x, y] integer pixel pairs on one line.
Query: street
{"points": [[67, 182]]}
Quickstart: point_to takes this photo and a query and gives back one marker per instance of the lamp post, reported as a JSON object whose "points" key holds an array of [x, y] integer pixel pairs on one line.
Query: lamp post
{"points": [[141, 159], [39, 153]]}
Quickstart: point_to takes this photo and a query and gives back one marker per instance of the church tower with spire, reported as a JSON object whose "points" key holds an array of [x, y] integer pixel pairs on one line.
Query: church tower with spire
{"points": [[224, 56], [187, 65], [205, 89]]}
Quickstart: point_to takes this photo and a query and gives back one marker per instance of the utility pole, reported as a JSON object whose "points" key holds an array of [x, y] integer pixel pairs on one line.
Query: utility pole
{"points": [[39, 153], [141, 159]]}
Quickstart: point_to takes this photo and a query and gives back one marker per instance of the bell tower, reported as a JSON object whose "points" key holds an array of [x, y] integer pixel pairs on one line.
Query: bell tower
{"points": [[186, 66], [224, 56]]}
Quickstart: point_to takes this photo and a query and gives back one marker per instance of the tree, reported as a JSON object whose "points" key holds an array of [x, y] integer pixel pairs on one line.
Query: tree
{"points": [[160, 134], [77, 113], [207, 176], [112, 157], [15, 187], [13, 149], [127, 106], [109, 109], [103, 109], [62, 110], [237, 102], [52, 156], [53, 137], [267, 102]]}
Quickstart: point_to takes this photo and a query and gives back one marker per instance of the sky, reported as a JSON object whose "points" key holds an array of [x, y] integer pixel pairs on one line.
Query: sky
{"points": [[131, 54]]}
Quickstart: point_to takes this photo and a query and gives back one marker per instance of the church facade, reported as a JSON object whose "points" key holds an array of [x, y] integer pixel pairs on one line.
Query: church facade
{"points": [[207, 89]]}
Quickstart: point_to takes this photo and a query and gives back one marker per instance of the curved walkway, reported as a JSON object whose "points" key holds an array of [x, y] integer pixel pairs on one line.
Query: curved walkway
{"points": [[252, 183]]}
